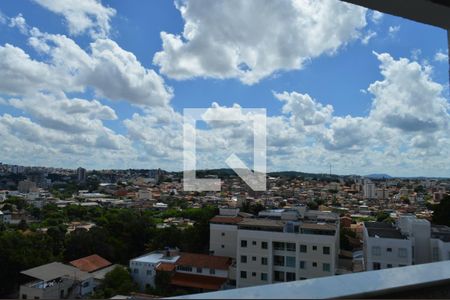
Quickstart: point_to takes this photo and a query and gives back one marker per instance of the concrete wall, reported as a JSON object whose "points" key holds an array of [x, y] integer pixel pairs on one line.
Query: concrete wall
{"points": [[222, 240]]}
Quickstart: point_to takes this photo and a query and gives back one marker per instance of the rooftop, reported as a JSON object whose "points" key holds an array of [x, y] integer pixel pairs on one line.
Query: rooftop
{"points": [[204, 261], [226, 219], [261, 222], [90, 263], [156, 257], [55, 270], [383, 230]]}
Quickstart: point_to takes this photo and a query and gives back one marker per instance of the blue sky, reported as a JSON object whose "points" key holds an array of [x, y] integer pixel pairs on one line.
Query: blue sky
{"points": [[328, 113]]}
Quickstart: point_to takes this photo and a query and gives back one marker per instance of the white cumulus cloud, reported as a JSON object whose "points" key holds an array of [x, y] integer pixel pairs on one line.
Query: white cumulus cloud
{"points": [[82, 15], [228, 39]]}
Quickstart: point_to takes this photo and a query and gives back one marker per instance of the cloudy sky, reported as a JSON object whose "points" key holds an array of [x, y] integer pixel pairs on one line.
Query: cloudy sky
{"points": [[104, 84]]}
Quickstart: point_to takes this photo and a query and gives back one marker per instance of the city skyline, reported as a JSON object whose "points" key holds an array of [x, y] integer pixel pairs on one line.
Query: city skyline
{"points": [[104, 84]]}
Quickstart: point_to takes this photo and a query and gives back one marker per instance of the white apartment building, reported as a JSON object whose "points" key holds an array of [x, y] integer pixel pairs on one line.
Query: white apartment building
{"points": [[369, 190], [279, 245], [385, 246], [410, 241]]}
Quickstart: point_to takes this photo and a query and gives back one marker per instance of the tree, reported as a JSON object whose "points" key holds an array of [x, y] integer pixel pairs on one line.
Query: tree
{"points": [[381, 216], [441, 212], [18, 252], [312, 205], [116, 282], [344, 235]]}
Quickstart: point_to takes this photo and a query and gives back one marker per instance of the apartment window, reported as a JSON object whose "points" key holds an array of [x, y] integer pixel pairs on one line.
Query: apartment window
{"points": [[402, 265], [212, 271], [199, 270], [290, 276], [223, 246], [326, 250], [290, 247], [149, 272], [302, 264], [389, 249], [326, 267], [263, 276], [314, 248], [253, 258], [36, 298], [243, 243], [264, 245], [86, 283], [376, 266], [303, 248], [278, 260], [402, 252], [135, 271], [376, 251], [290, 261], [254, 243], [253, 274], [243, 259], [264, 260], [389, 266], [278, 276], [223, 233], [278, 246], [24, 296], [243, 274]]}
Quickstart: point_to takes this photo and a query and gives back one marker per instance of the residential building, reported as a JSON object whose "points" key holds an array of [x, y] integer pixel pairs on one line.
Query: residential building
{"points": [[26, 186], [55, 281], [144, 194], [95, 265], [81, 175], [201, 272], [191, 271], [143, 268], [278, 245], [369, 190], [385, 246], [409, 241]]}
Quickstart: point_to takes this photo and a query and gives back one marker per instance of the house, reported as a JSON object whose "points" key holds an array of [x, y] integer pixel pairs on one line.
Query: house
{"points": [[95, 265], [143, 268], [55, 281], [191, 271], [201, 272]]}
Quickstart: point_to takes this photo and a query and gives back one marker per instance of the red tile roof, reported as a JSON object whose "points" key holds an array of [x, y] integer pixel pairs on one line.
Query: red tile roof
{"points": [[226, 220], [204, 261], [198, 281], [90, 263], [167, 267]]}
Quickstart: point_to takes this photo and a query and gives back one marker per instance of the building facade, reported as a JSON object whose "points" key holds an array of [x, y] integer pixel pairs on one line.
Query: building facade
{"points": [[278, 245], [409, 241]]}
